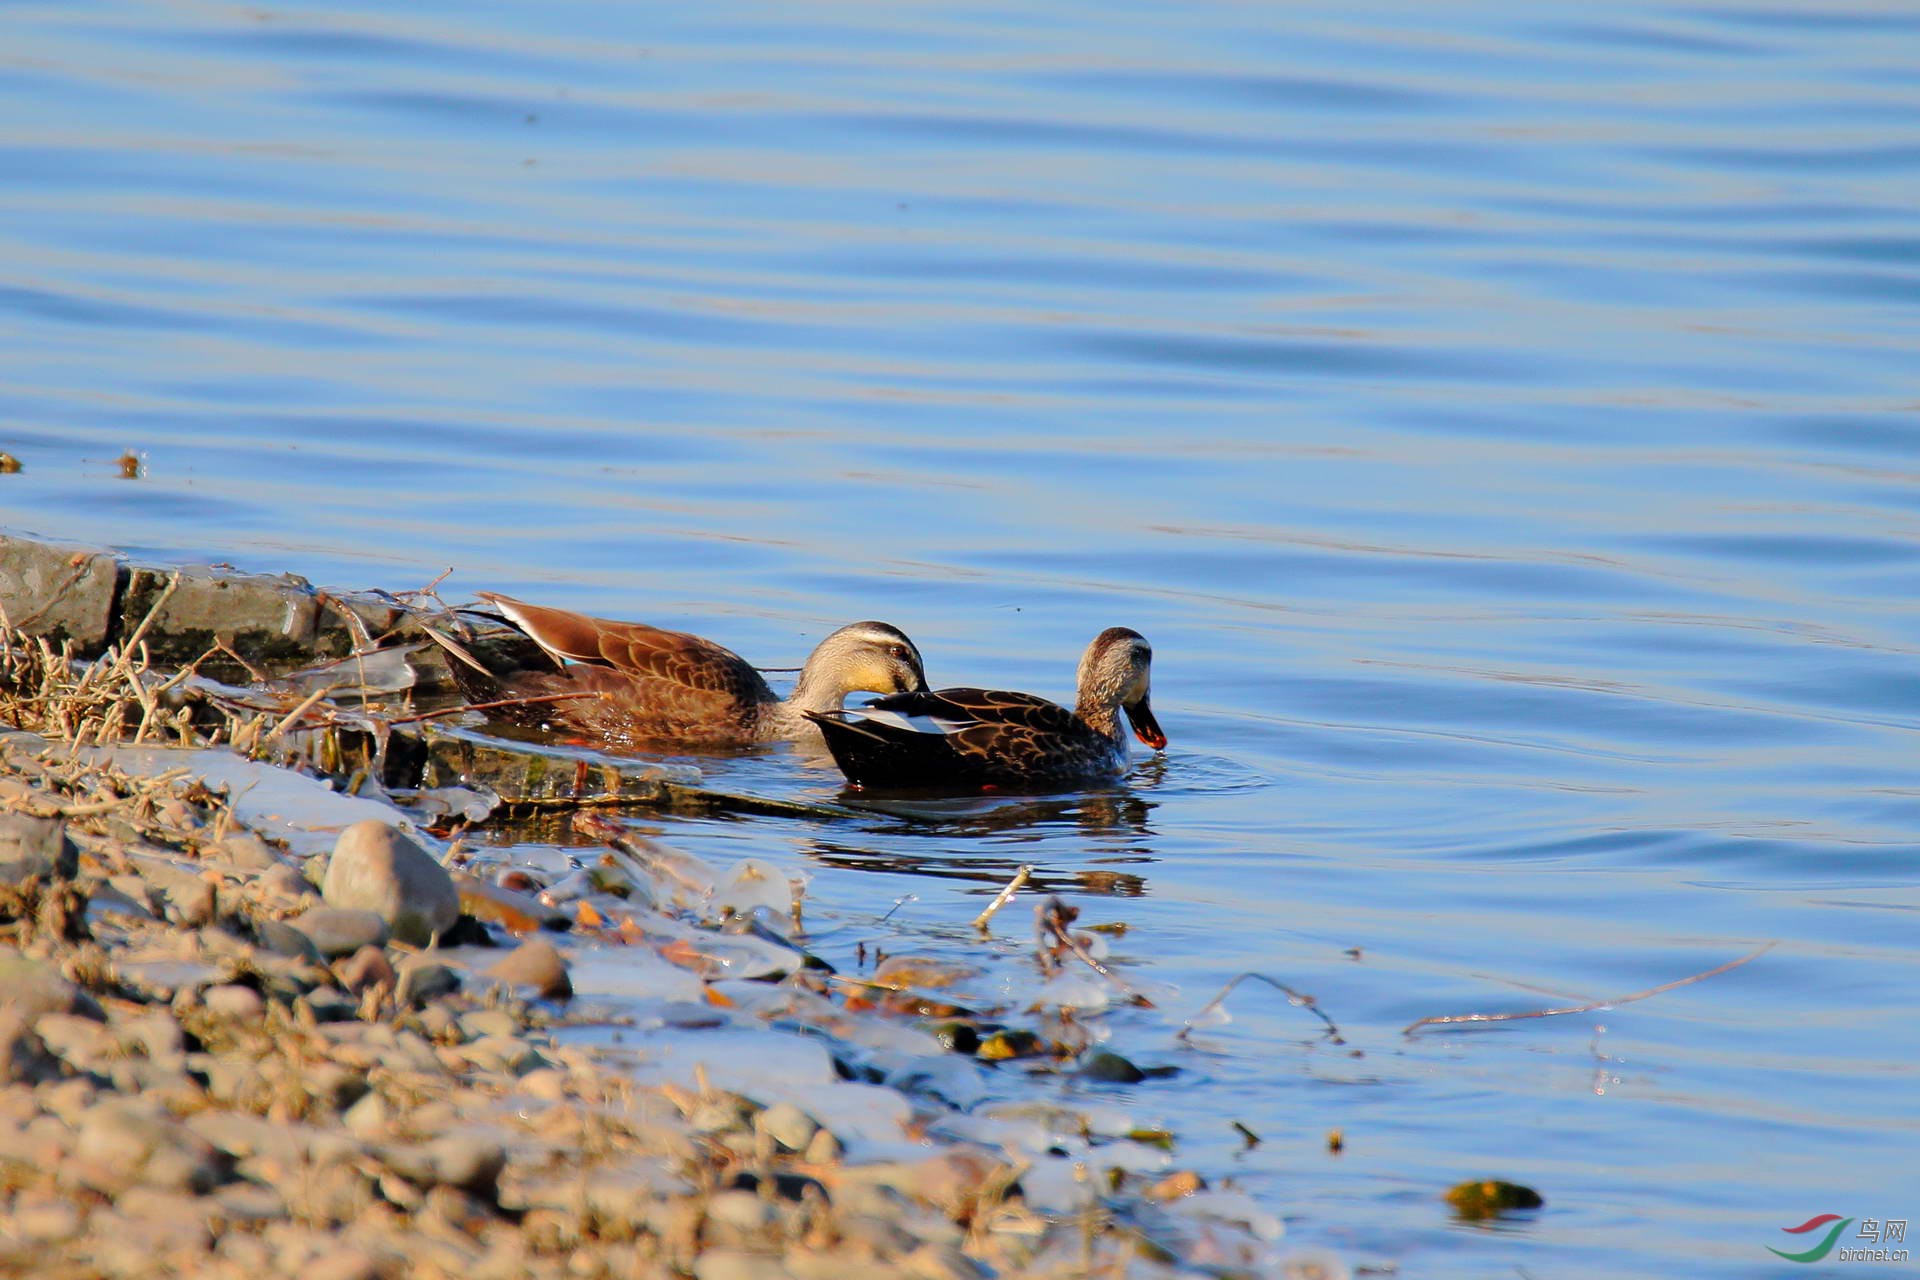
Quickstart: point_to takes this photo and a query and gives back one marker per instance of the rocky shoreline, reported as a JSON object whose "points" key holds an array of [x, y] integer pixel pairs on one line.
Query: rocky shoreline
{"points": [[249, 1025]]}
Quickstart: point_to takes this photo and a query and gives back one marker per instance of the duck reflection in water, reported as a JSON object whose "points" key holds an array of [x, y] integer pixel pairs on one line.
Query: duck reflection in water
{"points": [[1115, 822]]}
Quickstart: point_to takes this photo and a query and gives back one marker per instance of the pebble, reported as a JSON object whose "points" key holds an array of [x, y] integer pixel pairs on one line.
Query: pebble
{"points": [[367, 967], [368, 1117], [283, 939], [787, 1125], [536, 963], [331, 1005], [234, 1002], [34, 988], [23, 1054], [249, 852], [45, 1221], [824, 1149], [287, 882], [326, 1147], [376, 867], [422, 980], [1110, 1068], [488, 1022], [340, 931], [127, 1137], [343, 1263], [744, 1211], [737, 1264], [31, 846], [249, 1202]]}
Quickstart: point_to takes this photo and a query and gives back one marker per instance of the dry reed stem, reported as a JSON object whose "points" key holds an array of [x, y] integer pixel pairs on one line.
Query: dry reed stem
{"points": [[1001, 899], [1451, 1018], [1300, 998]]}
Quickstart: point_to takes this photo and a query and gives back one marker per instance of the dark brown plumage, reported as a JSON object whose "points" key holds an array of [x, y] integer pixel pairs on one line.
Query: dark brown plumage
{"points": [[627, 683], [967, 739]]}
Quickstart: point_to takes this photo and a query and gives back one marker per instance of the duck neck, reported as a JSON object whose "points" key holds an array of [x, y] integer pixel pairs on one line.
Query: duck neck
{"points": [[817, 689], [1100, 710]]}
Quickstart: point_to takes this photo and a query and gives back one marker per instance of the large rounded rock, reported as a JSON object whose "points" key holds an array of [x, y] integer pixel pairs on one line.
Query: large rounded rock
{"points": [[375, 867]]}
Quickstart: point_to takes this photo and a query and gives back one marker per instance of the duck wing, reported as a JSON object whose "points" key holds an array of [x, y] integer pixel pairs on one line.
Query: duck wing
{"points": [[945, 736], [648, 654], [632, 683]]}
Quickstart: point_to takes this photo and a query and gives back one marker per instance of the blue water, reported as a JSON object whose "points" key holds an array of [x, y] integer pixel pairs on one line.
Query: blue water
{"points": [[1501, 418]]}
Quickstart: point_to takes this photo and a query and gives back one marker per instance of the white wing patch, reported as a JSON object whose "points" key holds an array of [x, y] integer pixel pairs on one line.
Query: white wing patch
{"points": [[913, 724]]}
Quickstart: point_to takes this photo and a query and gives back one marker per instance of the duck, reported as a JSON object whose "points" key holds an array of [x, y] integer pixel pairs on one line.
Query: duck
{"points": [[989, 739], [626, 684]]}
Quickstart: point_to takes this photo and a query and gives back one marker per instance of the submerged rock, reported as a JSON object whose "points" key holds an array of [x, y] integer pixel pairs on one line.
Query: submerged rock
{"points": [[376, 867]]}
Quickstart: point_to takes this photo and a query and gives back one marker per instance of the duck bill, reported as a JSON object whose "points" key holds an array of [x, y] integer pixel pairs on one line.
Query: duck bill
{"points": [[1145, 727]]}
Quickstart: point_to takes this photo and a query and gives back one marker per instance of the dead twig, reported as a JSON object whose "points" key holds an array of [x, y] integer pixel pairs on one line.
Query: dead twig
{"points": [[1299, 998], [1447, 1019], [1054, 917], [307, 704], [1002, 898]]}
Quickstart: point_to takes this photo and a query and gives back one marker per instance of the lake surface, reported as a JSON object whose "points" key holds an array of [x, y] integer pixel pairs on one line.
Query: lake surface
{"points": [[1501, 419]]}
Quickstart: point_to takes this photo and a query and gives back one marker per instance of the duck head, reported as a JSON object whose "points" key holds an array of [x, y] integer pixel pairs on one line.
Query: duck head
{"points": [[861, 656], [1115, 673]]}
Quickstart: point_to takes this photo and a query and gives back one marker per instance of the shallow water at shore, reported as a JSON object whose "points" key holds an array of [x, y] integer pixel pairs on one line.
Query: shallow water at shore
{"points": [[1500, 421]]}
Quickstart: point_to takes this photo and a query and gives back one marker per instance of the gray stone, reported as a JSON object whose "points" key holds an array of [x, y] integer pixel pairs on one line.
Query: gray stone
{"points": [[31, 846], [342, 1263], [368, 1117], [376, 867], [186, 897], [737, 1264], [536, 963], [824, 1149], [130, 1138], [62, 593], [287, 881], [423, 980], [340, 931], [787, 1125], [234, 1002], [108, 898], [505, 1053], [165, 979], [744, 1211], [331, 1005], [34, 988], [269, 621], [368, 967], [155, 1034], [942, 1262], [47, 1221], [1110, 1068], [82, 1042], [249, 1202], [488, 1022], [283, 939], [471, 1162], [23, 1054], [246, 850]]}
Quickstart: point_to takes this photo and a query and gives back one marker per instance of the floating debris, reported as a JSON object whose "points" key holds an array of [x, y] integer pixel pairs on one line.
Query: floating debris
{"points": [[1479, 1201]]}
